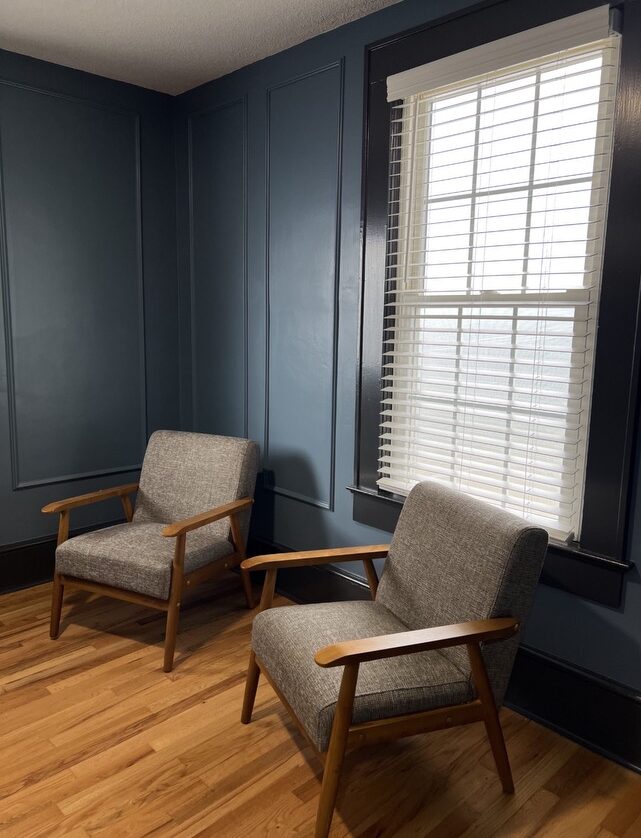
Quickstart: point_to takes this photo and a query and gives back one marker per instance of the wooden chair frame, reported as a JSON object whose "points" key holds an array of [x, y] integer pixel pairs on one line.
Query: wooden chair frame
{"points": [[350, 654], [179, 579]]}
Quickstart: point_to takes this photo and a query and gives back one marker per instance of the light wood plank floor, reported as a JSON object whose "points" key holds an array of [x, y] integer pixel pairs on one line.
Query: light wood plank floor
{"points": [[95, 740]]}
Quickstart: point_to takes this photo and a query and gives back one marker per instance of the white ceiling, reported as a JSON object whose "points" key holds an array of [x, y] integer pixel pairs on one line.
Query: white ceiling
{"points": [[167, 45]]}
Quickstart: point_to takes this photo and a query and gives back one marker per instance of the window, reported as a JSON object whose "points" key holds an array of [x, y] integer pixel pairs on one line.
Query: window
{"points": [[519, 370], [498, 193]]}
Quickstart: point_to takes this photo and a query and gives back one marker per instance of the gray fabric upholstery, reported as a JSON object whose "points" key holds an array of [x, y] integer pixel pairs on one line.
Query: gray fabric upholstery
{"points": [[454, 558], [135, 557], [285, 640], [183, 474]]}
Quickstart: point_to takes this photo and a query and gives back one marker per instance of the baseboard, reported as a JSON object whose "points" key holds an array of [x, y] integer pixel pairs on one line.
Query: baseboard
{"points": [[598, 713], [25, 565], [30, 563], [601, 714]]}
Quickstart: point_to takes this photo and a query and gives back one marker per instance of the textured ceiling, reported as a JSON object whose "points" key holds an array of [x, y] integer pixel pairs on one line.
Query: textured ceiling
{"points": [[168, 45]]}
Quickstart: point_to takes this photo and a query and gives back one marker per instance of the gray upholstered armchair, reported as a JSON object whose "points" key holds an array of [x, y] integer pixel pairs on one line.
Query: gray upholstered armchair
{"points": [[459, 576], [189, 525]]}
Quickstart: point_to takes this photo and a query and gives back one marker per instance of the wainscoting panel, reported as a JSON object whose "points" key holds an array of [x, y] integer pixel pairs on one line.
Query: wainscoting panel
{"points": [[304, 141], [218, 240], [72, 286]]}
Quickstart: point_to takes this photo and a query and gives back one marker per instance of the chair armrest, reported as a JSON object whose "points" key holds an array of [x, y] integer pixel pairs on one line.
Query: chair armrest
{"points": [[91, 497], [312, 557], [420, 640], [204, 518]]}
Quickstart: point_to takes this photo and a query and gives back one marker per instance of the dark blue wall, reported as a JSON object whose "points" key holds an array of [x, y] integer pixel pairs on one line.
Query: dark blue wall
{"points": [[89, 353], [99, 343], [269, 196]]}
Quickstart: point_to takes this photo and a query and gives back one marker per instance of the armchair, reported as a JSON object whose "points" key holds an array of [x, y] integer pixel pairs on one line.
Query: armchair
{"points": [[433, 649], [189, 525]]}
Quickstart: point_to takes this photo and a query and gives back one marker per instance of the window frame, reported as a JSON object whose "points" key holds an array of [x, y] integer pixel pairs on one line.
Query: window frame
{"points": [[595, 567]]}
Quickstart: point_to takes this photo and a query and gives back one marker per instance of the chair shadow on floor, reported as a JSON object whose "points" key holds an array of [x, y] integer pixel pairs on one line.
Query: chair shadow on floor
{"points": [[212, 608], [413, 785]]}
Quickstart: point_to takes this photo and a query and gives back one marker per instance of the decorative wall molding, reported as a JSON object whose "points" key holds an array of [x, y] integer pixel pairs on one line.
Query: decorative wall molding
{"points": [[275, 488], [16, 482], [192, 289]]}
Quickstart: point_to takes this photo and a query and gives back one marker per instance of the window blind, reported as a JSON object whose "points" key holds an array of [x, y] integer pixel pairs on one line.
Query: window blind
{"points": [[498, 197], [573, 31]]}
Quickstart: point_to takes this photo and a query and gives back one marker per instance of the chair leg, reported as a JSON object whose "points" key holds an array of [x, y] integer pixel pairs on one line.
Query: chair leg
{"points": [[499, 751], [336, 751], [492, 721], [173, 610], [56, 606], [247, 587], [251, 685], [171, 631]]}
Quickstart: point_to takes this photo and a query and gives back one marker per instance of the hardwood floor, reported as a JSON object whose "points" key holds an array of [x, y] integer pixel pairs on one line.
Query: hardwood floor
{"points": [[95, 740]]}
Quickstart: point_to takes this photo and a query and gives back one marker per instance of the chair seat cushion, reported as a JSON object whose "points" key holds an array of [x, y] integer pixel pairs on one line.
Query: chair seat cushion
{"points": [[286, 639], [135, 557]]}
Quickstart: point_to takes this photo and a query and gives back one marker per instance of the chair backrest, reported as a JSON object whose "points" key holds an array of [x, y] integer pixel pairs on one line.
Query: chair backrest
{"points": [[184, 474], [454, 558]]}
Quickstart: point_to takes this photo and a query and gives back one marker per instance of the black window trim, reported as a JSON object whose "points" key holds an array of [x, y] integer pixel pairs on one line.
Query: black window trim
{"points": [[595, 568]]}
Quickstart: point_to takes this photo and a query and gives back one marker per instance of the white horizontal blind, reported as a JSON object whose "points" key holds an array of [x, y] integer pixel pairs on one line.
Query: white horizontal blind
{"points": [[531, 45], [498, 198]]}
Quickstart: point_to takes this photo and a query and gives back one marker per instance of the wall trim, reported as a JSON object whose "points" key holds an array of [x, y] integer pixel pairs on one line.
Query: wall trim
{"points": [[590, 709], [298, 496], [241, 100], [597, 712], [16, 482], [7, 327], [278, 490], [84, 475], [245, 264]]}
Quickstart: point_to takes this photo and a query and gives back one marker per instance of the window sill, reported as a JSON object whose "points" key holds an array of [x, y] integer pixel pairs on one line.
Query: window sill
{"points": [[567, 567]]}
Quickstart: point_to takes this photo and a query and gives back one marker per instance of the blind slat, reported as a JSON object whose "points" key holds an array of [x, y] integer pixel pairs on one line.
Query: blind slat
{"points": [[558, 452]]}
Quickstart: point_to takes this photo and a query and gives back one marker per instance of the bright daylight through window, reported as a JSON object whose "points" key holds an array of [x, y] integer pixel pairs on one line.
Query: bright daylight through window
{"points": [[497, 205]]}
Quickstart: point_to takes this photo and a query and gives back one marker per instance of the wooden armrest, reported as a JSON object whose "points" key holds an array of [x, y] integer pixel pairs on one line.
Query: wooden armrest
{"points": [[420, 640], [91, 497], [204, 518], [311, 557]]}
